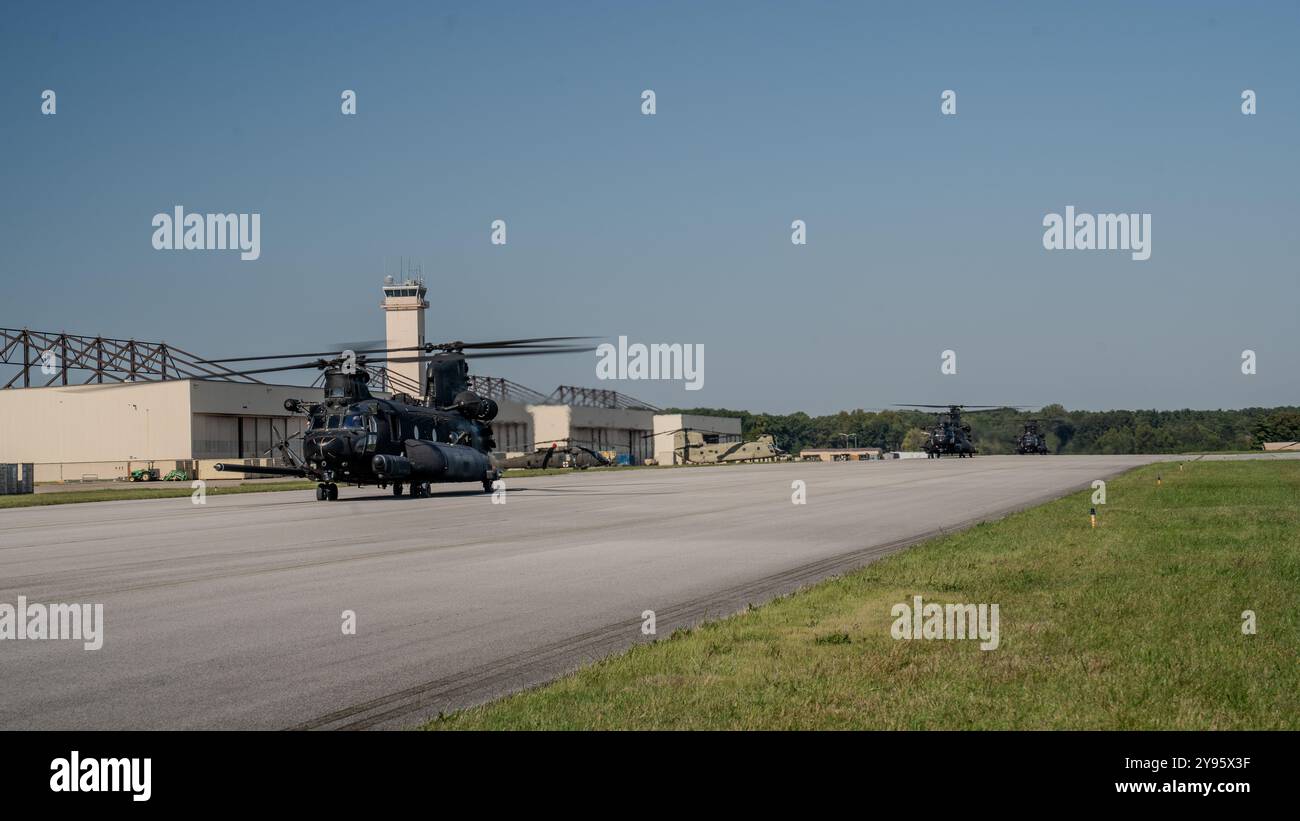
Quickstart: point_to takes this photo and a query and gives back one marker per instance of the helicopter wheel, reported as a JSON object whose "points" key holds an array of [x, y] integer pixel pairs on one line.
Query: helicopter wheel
{"points": [[320, 493], [397, 488], [332, 492]]}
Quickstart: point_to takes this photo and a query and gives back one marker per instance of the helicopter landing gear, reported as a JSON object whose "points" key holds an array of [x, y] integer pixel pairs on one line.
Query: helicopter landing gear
{"points": [[327, 492], [397, 488], [420, 490]]}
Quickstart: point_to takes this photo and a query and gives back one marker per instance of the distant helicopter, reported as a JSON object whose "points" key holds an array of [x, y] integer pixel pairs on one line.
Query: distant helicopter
{"points": [[560, 454], [359, 439], [949, 436], [1030, 440], [692, 447]]}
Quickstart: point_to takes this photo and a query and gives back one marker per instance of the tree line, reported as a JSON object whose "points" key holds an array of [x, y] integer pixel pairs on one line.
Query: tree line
{"points": [[1105, 432]]}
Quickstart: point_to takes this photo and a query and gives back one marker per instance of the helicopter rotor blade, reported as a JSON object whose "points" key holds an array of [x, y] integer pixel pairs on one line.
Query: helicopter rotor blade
{"points": [[319, 364], [274, 356], [427, 347], [964, 407], [666, 433], [687, 430], [487, 354], [529, 352], [509, 343]]}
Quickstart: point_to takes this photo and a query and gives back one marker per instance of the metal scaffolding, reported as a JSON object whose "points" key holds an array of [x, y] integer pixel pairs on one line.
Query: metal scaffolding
{"points": [[596, 398], [44, 358], [494, 387]]}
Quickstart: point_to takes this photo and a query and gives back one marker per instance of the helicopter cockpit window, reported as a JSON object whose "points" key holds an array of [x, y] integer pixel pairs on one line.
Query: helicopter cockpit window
{"points": [[318, 421], [334, 421], [354, 420]]}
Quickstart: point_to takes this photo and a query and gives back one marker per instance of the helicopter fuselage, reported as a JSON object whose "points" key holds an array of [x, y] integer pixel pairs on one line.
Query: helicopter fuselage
{"points": [[359, 439], [379, 441], [1031, 441], [949, 439]]}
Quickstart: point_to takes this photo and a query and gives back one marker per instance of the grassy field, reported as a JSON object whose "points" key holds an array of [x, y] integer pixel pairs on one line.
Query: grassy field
{"points": [[168, 490], [1136, 624]]}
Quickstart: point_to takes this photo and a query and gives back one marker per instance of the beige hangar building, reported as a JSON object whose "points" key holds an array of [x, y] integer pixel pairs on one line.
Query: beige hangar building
{"points": [[86, 408]]}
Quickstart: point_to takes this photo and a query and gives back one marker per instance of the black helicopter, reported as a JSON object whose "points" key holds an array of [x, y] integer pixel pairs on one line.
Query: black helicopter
{"points": [[949, 435], [356, 438], [1031, 440]]}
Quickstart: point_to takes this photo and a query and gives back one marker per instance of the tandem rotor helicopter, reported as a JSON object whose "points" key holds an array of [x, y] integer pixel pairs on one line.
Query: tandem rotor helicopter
{"points": [[949, 435], [1033, 440], [359, 439]]}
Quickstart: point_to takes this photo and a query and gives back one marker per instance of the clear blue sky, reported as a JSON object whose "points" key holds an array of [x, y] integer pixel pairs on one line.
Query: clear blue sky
{"points": [[924, 231]]}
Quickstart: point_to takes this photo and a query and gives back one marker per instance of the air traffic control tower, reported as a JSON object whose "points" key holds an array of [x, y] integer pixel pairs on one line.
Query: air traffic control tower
{"points": [[404, 306]]}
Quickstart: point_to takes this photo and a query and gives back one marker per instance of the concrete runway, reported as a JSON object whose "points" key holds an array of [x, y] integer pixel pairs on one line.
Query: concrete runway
{"points": [[228, 615]]}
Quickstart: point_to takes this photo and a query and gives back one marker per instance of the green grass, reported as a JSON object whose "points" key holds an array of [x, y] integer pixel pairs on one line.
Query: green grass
{"points": [[169, 491], [1133, 625]]}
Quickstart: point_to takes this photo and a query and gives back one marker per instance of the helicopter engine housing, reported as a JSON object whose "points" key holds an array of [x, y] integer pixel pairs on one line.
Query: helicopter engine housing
{"points": [[473, 406], [434, 461]]}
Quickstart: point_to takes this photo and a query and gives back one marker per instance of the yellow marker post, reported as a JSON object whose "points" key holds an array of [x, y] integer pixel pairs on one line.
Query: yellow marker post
{"points": [[1092, 514], [1158, 480]]}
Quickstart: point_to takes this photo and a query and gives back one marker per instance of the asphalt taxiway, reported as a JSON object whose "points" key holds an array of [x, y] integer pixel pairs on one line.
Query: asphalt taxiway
{"points": [[230, 614]]}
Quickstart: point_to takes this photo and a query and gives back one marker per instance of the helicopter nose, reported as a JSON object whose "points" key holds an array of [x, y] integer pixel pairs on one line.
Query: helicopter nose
{"points": [[328, 448]]}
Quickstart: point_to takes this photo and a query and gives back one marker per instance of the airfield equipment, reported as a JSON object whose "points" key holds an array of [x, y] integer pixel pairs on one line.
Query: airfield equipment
{"points": [[359, 439]]}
